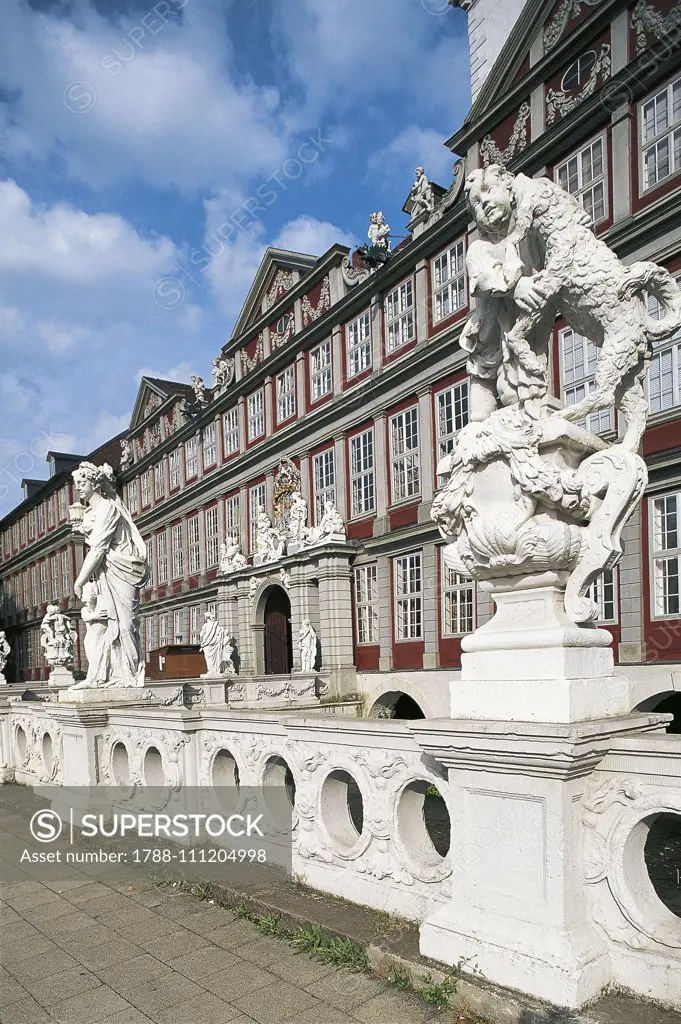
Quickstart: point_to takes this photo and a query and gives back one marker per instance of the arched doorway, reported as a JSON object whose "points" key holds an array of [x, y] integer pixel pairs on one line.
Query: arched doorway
{"points": [[396, 704], [277, 636]]}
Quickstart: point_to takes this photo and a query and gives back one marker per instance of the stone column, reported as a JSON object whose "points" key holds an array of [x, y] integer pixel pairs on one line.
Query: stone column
{"points": [[385, 613], [340, 448], [304, 605], [621, 161], [381, 470], [376, 316], [431, 653], [426, 452], [337, 341], [335, 618], [268, 390], [423, 317], [246, 636], [630, 570], [241, 414], [301, 402]]}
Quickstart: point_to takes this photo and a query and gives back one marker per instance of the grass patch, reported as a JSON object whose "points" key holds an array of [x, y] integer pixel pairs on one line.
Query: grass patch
{"points": [[269, 924], [244, 911], [339, 952], [400, 979]]}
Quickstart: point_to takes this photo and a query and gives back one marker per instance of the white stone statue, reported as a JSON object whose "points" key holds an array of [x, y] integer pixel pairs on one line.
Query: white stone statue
{"points": [[231, 557], [58, 638], [126, 453], [422, 195], [116, 563], [223, 372], [297, 519], [217, 648], [269, 543], [379, 231], [5, 651], [307, 645], [529, 490], [329, 528], [200, 396]]}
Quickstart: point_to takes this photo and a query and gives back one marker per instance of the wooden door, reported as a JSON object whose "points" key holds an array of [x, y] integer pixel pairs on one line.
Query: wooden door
{"points": [[278, 639]]}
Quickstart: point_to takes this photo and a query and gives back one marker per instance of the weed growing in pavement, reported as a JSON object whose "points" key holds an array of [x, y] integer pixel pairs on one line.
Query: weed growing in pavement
{"points": [[400, 979], [339, 952]]}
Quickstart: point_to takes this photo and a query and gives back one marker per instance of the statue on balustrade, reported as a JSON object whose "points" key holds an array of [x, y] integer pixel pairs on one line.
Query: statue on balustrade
{"points": [[116, 563], [422, 195], [307, 645], [269, 542], [223, 372], [530, 488], [58, 638], [231, 557], [5, 651], [217, 648]]}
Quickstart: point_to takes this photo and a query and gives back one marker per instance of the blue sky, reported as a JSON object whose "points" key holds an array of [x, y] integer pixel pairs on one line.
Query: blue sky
{"points": [[131, 131]]}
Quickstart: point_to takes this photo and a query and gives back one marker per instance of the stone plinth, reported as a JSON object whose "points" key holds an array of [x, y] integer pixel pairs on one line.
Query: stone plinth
{"points": [[103, 695], [60, 676]]}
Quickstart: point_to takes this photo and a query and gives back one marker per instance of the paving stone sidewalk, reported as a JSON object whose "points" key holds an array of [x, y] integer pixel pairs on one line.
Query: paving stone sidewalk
{"points": [[89, 952]]}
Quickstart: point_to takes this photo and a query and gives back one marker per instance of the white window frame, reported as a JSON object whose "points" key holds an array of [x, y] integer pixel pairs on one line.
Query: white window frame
{"points": [[359, 345], [65, 566], [194, 623], [362, 474], [400, 316], [159, 481], [212, 528], [230, 426], [405, 456], [601, 422], [163, 629], [194, 545], [133, 497], [366, 605], [178, 620], [233, 517], [607, 581], [162, 557], [661, 556], [51, 518], [448, 276], [321, 371], [459, 600], [210, 445], [41, 517], [177, 549], [452, 406], [669, 351], [256, 414], [146, 488], [32, 524], [63, 503], [585, 192], [323, 480], [408, 597], [257, 501], [286, 394], [174, 469], [44, 583], [672, 132], [191, 458]]}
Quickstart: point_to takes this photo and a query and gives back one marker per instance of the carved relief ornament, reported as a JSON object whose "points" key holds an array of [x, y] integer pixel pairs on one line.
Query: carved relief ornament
{"points": [[568, 10], [560, 103], [248, 363], [312, 313], [647, 20], [490, 152]]}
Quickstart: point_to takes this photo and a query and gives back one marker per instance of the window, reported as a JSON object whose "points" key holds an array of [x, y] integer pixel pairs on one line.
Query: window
{"points": [[174, 468], [212, 536], [22, 530], [458, 603], [583, 176], [257, 503], [191, 457], [212, 607], [408, 599], [233, 517], [194, 624], [404, 454], [602, 593], [132, 493], [44, 591], [286, 395], [65, 573], [178, 626], [51, 514], [63, 500], [324, 477], [452, 415], [177, 548], [163, 624], [159, 481], [41, 517], [661, 135], [146, 488], [210, 450], [579, 357], [321, 376], [149, 633], [31, 523], [664, 378], [578, 73], [358, 340], [231, 429], [366, 604], [449, 282], [256, 415], [362, 473], [665, 554], [34, 585], [399, 316], [149, 542], [162, 556], [193, 545]]}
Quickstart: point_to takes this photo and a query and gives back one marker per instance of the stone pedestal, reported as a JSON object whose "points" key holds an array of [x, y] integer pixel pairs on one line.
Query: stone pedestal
{"points": [[60, 676], [519, 912], [103, 695]]}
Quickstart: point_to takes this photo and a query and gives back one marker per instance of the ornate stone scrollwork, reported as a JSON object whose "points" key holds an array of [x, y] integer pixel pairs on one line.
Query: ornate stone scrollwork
{"points": [[568, 9], [559, 103], [312, 313], [283, 282], [248, 363], [648, 20], [490, 152], [354, 275]]}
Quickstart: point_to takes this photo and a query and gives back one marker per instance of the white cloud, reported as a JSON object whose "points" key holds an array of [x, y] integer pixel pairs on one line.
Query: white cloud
{"points": [[309, 235], [411, 148], [181, 372]]}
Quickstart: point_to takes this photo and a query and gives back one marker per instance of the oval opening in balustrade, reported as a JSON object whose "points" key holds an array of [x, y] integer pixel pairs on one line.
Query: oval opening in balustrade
{"points": [[21, 743], [662, 854], [279, 791], [153, 767], [423, 824], [48, 759], [225, 779], [120, 764], [342, 808]]}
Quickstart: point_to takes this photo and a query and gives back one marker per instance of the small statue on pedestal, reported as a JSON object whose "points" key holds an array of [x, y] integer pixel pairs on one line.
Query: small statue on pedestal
{"points": [[307, 645], [5, 651]]}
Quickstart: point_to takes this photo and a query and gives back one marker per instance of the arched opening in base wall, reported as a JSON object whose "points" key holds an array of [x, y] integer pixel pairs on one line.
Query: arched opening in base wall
{"points": [[664, 704], [663, 859], [277, 633], [396, 704]]}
